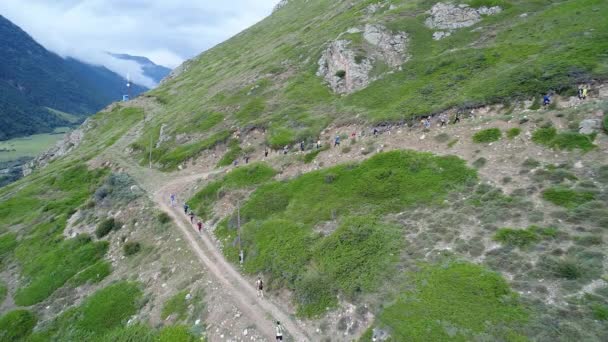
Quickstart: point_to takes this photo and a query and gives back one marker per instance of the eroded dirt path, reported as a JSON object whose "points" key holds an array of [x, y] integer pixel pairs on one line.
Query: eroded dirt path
{"points": [[262, 311]]}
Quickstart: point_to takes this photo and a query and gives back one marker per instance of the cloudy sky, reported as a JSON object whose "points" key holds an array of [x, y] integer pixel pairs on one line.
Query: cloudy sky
{"points": [[166, 31]]}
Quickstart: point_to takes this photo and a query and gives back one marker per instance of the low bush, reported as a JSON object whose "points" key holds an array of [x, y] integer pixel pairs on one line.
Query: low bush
{"points": [[93, 274], [600, 312], [516, 237], [469, 297], [131, 248], [513, 132], [563, 141], [487, 136], [479, 163], [176, 305], [163, 218], [3, 292], [568, 269], [234, 152], [17, 325], [567, 198], [106, 227]]}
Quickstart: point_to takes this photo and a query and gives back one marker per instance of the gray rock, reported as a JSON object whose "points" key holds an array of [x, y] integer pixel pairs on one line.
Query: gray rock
{"points": [[380, 335], [163, 136], [448, 16], [337, 58], [438, 35], [390, 47], [346, 72], [589, 126], [280, 5]]}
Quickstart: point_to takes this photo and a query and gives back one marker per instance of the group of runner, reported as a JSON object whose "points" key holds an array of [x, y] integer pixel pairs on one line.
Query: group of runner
{"points": [[259, 284]]}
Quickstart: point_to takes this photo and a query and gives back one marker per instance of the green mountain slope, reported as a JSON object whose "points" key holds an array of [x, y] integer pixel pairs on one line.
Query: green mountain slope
{"points": [[492, 228], [266, 76], [33, 79]]}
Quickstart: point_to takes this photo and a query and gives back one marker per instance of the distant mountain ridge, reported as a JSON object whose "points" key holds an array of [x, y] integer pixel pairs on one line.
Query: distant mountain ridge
{"points": [[36, 84], [152, 70]]}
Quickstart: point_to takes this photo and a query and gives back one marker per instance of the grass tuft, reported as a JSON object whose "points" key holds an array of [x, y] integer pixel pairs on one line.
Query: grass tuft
{"points": [[487, 136]]}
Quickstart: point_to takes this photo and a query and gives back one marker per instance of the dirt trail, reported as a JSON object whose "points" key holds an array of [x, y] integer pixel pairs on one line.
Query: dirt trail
{"points": [[264, 312], [243, 293]]}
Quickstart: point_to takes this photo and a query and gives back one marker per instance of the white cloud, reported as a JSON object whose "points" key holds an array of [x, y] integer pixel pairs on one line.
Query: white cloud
{"points": [[167, 32]]}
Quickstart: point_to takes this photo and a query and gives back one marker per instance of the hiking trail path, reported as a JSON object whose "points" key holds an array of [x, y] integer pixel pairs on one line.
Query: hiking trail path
{"points": [[242, 292]]}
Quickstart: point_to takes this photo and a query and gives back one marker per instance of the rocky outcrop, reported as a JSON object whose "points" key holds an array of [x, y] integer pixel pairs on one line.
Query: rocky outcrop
{"points": [[389, 47], [342, 69], [590, 126], [70, 141], [280, 5], [163, 136], [347, 69], [447, 16]]}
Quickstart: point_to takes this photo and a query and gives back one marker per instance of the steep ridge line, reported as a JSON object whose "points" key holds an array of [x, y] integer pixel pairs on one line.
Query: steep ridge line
{"points": [[244, 294]]}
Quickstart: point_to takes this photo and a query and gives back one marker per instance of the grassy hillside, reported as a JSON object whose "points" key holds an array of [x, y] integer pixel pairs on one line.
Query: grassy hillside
{"points": [[494, 228], [265, 76]]}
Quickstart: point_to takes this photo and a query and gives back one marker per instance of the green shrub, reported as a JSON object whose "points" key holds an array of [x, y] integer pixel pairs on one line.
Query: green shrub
{"points": [[563, 141], [472, 299], [544, 136], [234, 152], [131, 248], [106, 226], [605, 121], [163, 218], [341, 73], [3, 292], [242, 177], [513, 132], [279, 217], [479, 163], [170, 160], [17, 325], [535, 104], [49, 264], [530, 163], [516, 237], [487, 136], [568, 269], [93, 274], [8, 242], [600, 312], [358, 255], [311, 156], [130, 333], [176, 305], [567, 198], [177, 333]]}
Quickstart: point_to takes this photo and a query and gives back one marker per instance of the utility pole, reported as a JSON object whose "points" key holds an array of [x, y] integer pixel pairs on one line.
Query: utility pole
{"points": [[238, 225], [150, 158]]}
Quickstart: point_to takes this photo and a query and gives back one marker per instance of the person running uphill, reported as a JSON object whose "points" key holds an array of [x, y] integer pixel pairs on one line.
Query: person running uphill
{"points": [[172, 198], [186, 207], [200, 226], [337, 141], [260, 286], [279, 330]]}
